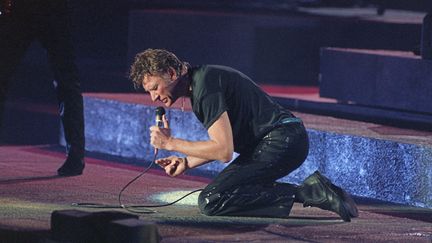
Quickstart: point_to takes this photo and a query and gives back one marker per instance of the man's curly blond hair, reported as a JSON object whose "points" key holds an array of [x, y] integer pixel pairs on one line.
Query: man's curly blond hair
{"points": [[153, 62]]}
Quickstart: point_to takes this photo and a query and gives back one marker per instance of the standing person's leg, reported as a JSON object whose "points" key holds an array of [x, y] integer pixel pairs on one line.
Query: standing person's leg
{"points": [[247, 186], [15, 37], [56, 38]]}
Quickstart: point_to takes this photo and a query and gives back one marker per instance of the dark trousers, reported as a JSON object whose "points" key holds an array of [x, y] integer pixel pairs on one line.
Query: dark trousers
{"points": [[248, 187], [48, 22]]}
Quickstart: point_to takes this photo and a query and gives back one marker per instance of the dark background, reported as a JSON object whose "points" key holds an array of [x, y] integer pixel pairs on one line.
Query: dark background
{"points": [[284, 56], [100, 32]]}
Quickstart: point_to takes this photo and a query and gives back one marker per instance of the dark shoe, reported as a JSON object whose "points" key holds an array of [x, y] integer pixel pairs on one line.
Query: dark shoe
{"points": [[350, 204], [71, 167], [318, 191]]}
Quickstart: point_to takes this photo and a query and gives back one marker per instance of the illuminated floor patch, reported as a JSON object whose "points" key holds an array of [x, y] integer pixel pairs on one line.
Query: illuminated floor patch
{"points": [[168, 197]]}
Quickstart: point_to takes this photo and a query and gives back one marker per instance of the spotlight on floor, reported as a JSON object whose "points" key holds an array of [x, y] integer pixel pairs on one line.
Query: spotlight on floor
{"points": [[168, 197]]}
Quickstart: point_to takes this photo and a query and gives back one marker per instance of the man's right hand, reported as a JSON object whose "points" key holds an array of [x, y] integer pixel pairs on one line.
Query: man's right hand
{"points": [[173, 165]]}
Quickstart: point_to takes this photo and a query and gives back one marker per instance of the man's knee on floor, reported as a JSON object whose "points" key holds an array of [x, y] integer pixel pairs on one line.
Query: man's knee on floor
{"points": [[205, 199]]}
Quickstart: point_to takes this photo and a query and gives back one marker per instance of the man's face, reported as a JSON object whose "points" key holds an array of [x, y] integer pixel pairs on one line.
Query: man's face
{"points": [[161, 87]]}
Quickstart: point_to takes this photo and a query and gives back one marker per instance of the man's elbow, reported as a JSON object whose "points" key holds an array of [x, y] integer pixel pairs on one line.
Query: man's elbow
{"points": [[227, 155]]}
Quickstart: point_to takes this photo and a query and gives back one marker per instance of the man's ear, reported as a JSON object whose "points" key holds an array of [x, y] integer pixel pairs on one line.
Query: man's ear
{"points": [[172, 72]]}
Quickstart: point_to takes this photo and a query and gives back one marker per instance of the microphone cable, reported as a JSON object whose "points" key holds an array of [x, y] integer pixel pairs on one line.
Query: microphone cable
{"points": [[140, 209]]}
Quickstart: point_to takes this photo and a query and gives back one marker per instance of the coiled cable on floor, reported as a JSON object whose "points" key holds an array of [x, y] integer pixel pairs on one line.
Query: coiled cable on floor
{"points": [[141, 209]]}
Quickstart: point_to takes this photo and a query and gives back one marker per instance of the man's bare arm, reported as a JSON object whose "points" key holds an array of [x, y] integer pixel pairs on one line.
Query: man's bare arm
{"points": [[220, 145]]}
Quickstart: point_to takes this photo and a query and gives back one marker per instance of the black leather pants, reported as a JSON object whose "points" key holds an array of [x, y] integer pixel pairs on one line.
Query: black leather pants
{"points": [[248, 187], [46, 21]]}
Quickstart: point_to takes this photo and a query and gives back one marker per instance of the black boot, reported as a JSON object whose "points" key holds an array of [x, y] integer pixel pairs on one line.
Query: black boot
{"points": [[318, 191], [352, 208], [73, 166]]}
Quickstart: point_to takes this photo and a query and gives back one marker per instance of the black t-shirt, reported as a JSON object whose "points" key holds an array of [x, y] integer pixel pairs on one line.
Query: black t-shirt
{"points": [[252, 113]]}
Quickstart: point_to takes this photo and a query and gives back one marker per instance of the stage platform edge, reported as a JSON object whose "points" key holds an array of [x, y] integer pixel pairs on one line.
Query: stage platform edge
{"points": [[366, 166], [393, 80]]}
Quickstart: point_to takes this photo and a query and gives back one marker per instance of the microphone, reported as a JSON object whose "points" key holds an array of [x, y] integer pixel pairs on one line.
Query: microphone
{"points": [[159, 111]]}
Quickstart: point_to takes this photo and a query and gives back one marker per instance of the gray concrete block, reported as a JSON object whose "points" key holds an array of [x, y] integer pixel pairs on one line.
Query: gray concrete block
{"points": [[82, 226], [373, 168], [133, 231]]}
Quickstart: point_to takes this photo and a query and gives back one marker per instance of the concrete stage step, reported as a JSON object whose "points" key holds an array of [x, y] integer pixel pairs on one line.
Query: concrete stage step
{"points": [[387, 79], [368, 160]]}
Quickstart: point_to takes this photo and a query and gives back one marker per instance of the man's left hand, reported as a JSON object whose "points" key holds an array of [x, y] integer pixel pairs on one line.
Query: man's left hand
{"points": [[173, 165]]}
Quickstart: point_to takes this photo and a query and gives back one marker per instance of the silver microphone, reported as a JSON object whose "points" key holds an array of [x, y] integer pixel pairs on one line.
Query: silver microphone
{"points": [[160, 111]]}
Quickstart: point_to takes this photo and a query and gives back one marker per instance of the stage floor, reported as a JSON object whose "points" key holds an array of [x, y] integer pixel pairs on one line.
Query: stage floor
{"points": [[30, 191]]}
